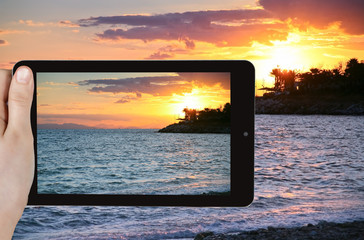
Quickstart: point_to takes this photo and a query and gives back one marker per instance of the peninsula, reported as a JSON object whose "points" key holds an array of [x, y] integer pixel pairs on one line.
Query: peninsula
{"points": [[203, 121], [338, 91]]}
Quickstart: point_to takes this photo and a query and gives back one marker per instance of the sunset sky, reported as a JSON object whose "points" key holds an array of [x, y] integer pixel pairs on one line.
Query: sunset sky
{"points": [[127, 100], [292, 34]]}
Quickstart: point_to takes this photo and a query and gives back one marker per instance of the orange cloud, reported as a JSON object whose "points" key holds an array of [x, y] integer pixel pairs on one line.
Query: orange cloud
{"points": [[67, 23], [62, 23], [33, 24], [320, 13], [7, 31]]}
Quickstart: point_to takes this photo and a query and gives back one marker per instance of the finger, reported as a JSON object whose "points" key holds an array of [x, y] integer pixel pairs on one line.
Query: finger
{"points": [[5, 78], [20, 101]]}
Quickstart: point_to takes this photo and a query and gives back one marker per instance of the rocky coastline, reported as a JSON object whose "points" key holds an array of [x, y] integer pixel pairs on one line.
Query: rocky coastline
{"points": [[197, 127], [310, 104], [323, 230], [280, 104]]}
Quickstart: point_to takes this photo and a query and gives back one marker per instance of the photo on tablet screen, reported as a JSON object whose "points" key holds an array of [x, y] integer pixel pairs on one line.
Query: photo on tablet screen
{"points": [[143, 133]]}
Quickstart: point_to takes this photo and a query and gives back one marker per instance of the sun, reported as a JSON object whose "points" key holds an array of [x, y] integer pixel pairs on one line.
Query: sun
{"points": [[191, 100], [286, 57], [282, 56], [199, 98], [288, 54]]}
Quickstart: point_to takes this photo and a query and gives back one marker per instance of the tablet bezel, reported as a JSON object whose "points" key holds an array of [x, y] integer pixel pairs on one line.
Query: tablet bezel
{"points": [[242, 89]]}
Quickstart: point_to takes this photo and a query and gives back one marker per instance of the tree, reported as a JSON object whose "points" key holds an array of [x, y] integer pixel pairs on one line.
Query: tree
{"points": [[208, 114], [278, 82], [226, 111], [284, 80], [289, 78], [354, 72], [190, 114], [334, 81]]}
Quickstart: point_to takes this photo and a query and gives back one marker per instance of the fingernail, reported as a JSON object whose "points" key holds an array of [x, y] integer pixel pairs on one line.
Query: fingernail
{"points": [[23, 75]]}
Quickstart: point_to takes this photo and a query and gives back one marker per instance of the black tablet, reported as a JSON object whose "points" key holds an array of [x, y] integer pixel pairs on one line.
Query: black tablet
{"points": [[143, 133]]}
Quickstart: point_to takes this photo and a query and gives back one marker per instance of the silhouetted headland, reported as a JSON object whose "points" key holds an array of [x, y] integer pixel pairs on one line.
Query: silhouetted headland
{"points": [[337, 91], [203, 121]]}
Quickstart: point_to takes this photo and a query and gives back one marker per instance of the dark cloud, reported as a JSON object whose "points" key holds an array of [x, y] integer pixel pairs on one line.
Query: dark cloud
{"points": [[168, 51], [219, 35], [129, 98], [159, 55], [67, 23], [123, 101], [222, 27], [157, 85], [208, 79], [189, 43], [320, 13], [3, 42], [200, 18]]}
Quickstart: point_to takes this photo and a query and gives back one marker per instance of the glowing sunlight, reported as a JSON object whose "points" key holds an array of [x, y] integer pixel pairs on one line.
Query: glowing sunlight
{"points": [[287, 57], [188, 100]]}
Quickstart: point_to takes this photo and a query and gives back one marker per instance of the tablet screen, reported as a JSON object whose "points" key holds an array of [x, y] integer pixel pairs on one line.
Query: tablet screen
{"points": [[144, 133]]}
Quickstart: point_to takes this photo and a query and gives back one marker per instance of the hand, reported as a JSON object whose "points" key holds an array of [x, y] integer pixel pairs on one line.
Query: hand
{"points": [[16, 147]]}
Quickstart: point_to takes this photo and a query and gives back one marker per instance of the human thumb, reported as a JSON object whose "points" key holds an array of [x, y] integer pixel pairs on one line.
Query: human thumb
{"points": [[20, 101]]}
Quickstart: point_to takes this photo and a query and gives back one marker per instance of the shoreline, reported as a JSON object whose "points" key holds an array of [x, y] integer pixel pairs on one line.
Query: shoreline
{"points": [[323, 230], [197, 127], [310, 105]]}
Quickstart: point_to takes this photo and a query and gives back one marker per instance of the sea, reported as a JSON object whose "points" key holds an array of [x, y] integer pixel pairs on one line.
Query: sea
{"points": [[308, 169], [132, 161]]}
